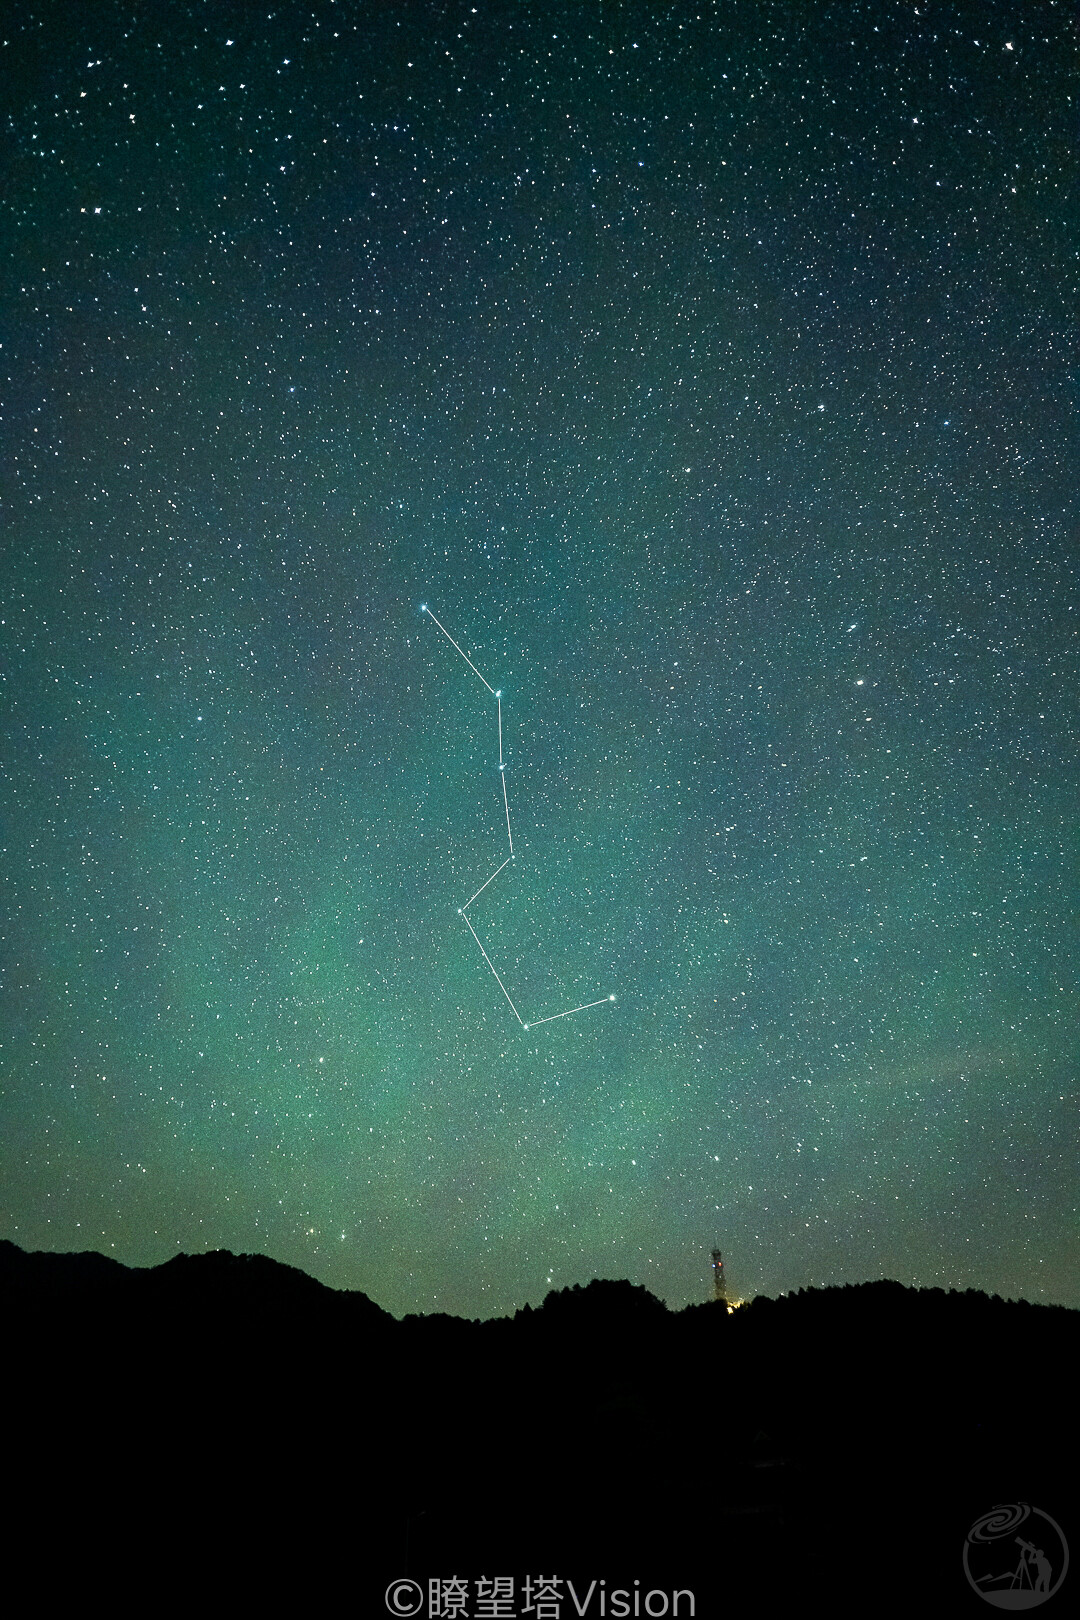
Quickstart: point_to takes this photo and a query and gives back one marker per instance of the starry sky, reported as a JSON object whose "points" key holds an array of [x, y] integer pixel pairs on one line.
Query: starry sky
{"points": [[704, 366]]}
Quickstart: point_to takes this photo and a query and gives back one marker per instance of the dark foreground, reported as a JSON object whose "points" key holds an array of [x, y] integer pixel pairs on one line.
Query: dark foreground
{"points": [[223, 1432]]}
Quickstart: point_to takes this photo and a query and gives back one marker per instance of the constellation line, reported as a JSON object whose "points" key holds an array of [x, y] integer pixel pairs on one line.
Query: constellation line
{"points": [[506, 802], [551, 1017], [466, 657], [462, 910], [483, 886], [491, 965]]}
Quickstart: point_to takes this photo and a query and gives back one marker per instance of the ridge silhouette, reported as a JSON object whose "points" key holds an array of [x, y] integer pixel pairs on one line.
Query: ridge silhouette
{"points": [[832, 1434]]}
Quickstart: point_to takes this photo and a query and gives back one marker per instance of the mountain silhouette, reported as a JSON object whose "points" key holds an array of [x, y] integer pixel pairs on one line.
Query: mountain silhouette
{"points": [[245, 1430]]}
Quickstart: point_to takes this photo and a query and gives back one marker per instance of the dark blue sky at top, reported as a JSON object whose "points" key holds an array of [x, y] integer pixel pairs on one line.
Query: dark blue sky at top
{"points": [[706, 368]]}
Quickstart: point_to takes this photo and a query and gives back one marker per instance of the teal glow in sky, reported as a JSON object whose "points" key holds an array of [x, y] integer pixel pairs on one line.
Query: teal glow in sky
{"points": [[705, 370]]}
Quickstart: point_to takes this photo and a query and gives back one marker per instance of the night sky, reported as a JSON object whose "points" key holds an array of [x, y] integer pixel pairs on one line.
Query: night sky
{"points": [[705, 368]]}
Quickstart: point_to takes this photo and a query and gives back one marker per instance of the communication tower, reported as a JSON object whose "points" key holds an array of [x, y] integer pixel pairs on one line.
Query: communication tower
{"points": [[719, 1283]]}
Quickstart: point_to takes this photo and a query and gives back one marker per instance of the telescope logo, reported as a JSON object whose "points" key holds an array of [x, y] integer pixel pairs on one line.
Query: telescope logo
{"points": [[1015, 1556]]}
